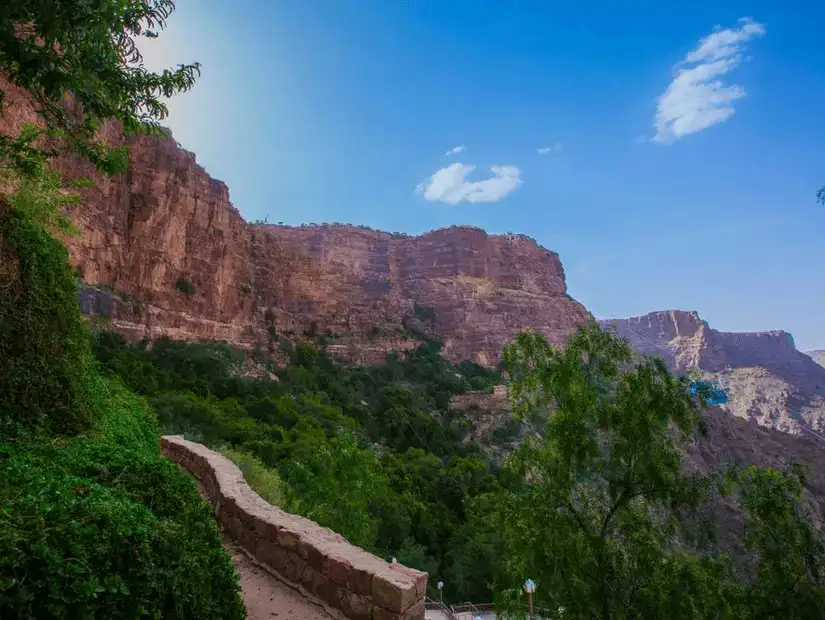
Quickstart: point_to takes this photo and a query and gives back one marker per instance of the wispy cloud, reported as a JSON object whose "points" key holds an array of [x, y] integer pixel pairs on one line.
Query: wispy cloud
{"points": [[455, 150], [450, 184], [546, 150], [696, 98]]}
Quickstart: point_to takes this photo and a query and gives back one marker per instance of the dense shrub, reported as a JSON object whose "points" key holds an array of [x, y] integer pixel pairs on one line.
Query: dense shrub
{"points": [[44, 347], [104, 527], [374, 453], [94, 522], [184, 285], [263, 479]]}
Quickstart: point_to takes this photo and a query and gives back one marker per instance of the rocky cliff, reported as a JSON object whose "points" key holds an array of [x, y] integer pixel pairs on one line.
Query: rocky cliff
{"points": [[767, 378], [164, 252], [817, 356]]}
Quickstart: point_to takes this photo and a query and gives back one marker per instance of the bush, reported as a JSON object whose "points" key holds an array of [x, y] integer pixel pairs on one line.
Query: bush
{"points": [[184, 285], [45, 358], [104, 527], [263, 480], [509, 432]]}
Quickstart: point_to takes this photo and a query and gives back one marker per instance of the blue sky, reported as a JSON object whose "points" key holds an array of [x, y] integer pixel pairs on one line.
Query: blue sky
{"points": [[338, 110]]}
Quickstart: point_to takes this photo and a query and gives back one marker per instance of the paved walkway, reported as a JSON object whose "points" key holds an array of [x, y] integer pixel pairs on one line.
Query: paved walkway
{"points": [[267, 597]]}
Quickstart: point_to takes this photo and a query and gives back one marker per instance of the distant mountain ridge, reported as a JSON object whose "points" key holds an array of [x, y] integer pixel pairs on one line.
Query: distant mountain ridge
{"points": [[818, 355], [768, 380]]}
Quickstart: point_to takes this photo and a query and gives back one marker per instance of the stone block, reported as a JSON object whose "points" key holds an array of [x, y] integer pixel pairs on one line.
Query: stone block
{"points": [[315, 558], [248, 537], [415, 612], [393, 590], [268, 552], [303, 547], [228, 505], [337, 570], [265, 527], [294, 567], [289, 540], [327, 591], [356, 606], [235, 529], [308, 578], [360, 581], [379, 613], [419, 578]]}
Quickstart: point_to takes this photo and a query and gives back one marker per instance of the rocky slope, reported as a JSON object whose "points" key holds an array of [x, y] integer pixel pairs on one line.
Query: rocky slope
{"points": [[168, 254], [767, 378], [817, 356]]}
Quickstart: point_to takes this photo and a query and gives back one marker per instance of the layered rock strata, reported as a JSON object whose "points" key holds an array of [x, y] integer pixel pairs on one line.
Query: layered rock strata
{"points": [[767, 378], [165, 235]]}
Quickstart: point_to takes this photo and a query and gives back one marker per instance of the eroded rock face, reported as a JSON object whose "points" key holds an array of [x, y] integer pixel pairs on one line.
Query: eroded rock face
{"points": [[166, 235], [818, 356], [767, 378]]}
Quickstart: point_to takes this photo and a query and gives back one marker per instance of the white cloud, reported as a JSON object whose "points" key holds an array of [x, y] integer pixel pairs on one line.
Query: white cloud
{"points": [[450, 184], [556, 148], [455, 150], [696, 98]]}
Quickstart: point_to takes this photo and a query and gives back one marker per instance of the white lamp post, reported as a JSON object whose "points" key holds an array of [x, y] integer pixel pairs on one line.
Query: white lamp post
{"points": [[440, 586], [530, 587]]}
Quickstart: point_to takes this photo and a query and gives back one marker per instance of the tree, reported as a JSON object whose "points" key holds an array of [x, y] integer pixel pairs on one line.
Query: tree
{"points": [[789, 581], [332, 481], [595, 512], [85, 49]]}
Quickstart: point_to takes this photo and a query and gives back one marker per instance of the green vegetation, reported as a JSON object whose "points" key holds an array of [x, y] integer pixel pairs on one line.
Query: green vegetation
{"points": [[422, 312], [263, 479], [55, 48], [44, 351], [374, 453], [94, 522], [184, 285], [101, 526], [596, 509], [601, 512]]}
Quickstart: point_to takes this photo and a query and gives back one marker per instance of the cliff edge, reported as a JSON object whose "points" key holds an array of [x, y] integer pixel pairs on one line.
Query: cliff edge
{"points": [[166, 253], [767, 378]]}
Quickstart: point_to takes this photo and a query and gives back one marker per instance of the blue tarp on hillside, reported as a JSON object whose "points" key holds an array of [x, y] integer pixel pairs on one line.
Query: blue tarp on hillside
{"points": [[711, 394]]}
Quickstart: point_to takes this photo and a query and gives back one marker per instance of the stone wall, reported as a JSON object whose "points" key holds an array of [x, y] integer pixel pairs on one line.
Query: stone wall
{"points": [[315, 560]]}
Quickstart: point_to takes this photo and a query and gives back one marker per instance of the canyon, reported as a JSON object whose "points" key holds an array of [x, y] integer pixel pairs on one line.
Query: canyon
{"points": [[163, 252], [767, 379]]}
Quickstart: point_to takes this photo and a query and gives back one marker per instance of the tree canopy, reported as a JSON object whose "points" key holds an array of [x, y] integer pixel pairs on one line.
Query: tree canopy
{"points": [[86, 50], [602, 514]]}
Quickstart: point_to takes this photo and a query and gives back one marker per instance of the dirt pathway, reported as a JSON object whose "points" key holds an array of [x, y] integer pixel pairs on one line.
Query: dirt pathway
{"points": [[267, 597]]}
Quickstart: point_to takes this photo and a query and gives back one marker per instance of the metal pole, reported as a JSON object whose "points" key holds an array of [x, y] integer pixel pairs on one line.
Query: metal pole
{"points": [[530, 587]]}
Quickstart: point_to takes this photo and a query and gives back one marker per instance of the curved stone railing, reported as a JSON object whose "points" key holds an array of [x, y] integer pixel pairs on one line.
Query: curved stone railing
{"points": [[321, 564]]}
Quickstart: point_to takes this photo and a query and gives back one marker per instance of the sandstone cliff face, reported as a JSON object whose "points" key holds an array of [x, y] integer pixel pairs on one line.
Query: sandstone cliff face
{"points": [[767, 379], [185, 264]]}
